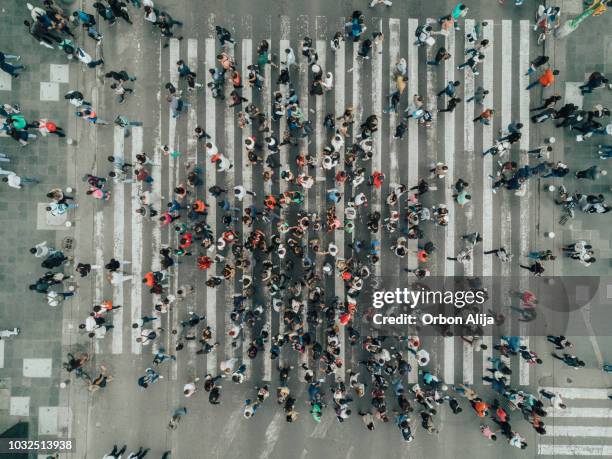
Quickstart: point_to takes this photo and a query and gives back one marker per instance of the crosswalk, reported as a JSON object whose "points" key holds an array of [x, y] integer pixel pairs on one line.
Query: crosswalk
{"points": [[453, 139], [583, 428]]}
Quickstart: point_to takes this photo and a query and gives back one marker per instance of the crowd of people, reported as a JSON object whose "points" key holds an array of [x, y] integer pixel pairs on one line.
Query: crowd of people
{"points": [[281, 253]]}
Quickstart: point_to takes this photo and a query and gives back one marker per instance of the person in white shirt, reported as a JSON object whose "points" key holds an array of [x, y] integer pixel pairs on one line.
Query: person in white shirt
{"points": [[42, 250], [290, 60], [15, 181]]}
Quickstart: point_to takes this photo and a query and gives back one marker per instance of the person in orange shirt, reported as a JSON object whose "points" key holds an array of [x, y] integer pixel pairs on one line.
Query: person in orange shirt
{"points": [[149, 279], [547, 78], [481, 408]]}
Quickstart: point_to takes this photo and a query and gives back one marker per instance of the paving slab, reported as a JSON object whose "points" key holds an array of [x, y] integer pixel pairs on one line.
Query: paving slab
{"points": [[37, 368], [49, 91], [20, 406], [5, 81], [59, 73], [46, 221]]}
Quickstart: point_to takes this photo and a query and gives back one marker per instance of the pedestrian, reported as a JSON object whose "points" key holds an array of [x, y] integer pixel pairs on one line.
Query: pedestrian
{"points": [[141, 451], [485, 117], [441, 55], [450, 89], [536, 268], [15, 181], [224, 35], [12, 70], [545, 80], [592, 173], [115, 453], [479, 95], [535, 63]]}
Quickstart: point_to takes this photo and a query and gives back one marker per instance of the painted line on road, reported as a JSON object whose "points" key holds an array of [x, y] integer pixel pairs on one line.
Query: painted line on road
{"points": [[413, 157], [118, 244], [487, 168], [574, 450], [579, 392], [578, 431], [211, 179], [137, 246], [449, 230], [524, 101], [572, 412]]}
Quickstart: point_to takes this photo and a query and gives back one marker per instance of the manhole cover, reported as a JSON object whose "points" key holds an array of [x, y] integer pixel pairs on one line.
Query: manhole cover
{"points": [[68, 243]]}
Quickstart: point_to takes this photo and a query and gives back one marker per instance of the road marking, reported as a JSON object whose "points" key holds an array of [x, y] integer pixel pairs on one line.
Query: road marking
{"points": [[339, 106], [118, 244], [468, 152], [229, 150], [578, 431], [173, 171], [572, 412], [192, 119], [524, 101], [137, 246], [211, 179], [449, 230], [487, 167], [247, 178], [579, 392], [413, 156], [320, 136], [266, 102], [574, 450]]}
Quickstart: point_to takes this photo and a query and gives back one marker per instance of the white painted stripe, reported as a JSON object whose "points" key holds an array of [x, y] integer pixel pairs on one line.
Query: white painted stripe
{"points": [[118, 244], [2, 353], [524, 101], [413, 156], [247, 178], [266, 102], [173, 170], [227, 286], [6, 82], [137, 246], [468, 146], [320, 139], [358, 111], [506, 119], [578, 431], [192, 121], [574, 450], [579, 392], [394, 57], [449, 230], [487, 194], [211, 293], [572, 412], [377, 77], [339, 106]]}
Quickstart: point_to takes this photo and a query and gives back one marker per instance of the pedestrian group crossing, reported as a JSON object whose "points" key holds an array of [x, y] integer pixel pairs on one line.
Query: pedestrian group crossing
{"points": [[453, 139]]}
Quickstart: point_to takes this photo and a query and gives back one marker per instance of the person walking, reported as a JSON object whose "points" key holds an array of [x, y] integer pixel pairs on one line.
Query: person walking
{"points": [[592, 173], [479, 96], [15, 181], [547, 79], [116, 453], [12, 70]]}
